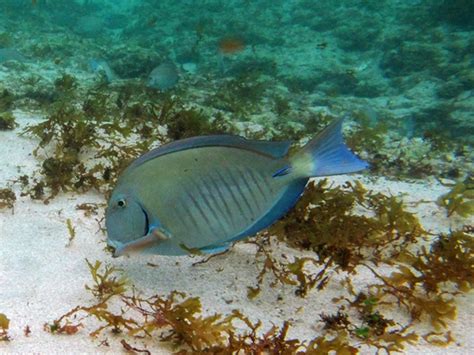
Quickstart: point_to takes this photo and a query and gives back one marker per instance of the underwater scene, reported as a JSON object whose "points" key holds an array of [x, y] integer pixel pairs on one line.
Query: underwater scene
{"points": [[237, 177]]}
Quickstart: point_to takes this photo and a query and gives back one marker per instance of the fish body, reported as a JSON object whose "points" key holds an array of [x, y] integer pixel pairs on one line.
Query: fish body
{"points": [[89, 25], [100, 66], [164, 77], [204, 193], [7, 54]]}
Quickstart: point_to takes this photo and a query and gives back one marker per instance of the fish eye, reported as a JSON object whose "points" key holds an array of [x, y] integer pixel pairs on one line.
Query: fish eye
{"points": [[121, 203]]}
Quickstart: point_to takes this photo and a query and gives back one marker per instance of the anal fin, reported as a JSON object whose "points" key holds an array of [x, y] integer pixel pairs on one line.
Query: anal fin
{"points": [[216, 248]]}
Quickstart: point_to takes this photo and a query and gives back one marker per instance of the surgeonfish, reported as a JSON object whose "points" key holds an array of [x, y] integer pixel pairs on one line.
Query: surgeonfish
{"points": [[204, 193], [100, 66], [164, 77], [7, 54]]}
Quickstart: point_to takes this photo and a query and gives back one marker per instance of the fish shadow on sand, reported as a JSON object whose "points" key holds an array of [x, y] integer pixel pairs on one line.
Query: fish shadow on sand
{"points": [[234, 270]]}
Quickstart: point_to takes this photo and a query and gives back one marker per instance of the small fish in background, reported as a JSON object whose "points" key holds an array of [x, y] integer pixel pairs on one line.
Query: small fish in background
{"points": [[322, 45], [7, 54], [89, 25], [164, 77], [188, 60], [409, 125], [101, 67], [204, 193], [368, 114], [190, 67]]}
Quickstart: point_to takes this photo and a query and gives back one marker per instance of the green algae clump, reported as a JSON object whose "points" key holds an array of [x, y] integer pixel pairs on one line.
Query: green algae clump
{"points": [[7, 121], [459, 200], [106, 284], [176, 318], [4, 325], [323, 221], [7, 198], [423, 283]]}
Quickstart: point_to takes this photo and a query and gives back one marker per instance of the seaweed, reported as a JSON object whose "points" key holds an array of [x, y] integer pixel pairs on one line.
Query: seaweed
{"points": [[459, 200], [95, 104], [448, 260], [37, 191], [4, 325], [27, 331], [88, 208], [327, 344], [270, 264], [7, 121], [188, 123], [281, 105], [106, 284], [87, 140], [71, 230], [241, 95], [7, 198], [285, 272], [373, 329], [73, 133], [423, 282], [368, 136], [337, 321], [182, 317], [322, 221], [133, 349], [178, 319], [273, 341], [6, 100], [66, 83]]}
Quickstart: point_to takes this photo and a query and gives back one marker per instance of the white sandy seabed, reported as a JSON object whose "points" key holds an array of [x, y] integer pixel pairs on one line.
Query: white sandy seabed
{"points": [[41, 277]]}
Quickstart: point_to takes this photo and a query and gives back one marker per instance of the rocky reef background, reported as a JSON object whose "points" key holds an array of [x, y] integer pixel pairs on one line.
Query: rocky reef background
{"points": [[406, 64]]}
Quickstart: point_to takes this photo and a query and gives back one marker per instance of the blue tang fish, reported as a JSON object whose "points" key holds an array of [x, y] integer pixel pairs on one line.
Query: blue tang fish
{"points": [[164, 77], [100, 66], [204, 193], [7, 54]]}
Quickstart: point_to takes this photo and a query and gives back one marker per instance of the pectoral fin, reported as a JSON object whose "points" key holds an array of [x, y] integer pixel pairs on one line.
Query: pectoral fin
{"points": [[160, 233]]}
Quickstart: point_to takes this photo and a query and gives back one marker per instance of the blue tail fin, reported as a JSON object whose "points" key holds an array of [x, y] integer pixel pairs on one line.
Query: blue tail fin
{"points": [[326, 154]]}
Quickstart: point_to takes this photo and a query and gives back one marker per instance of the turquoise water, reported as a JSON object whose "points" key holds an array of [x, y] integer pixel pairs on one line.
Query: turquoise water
{"points": [[402, 72], [406, 64]]}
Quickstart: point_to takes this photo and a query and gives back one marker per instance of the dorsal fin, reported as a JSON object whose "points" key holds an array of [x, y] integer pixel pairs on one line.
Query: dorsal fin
{"points": [[274, 149]]}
